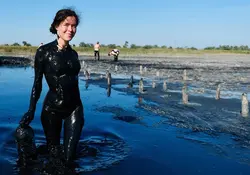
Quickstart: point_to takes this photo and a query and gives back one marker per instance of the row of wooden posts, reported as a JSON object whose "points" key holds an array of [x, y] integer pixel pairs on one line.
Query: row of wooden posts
{"points": [[244, 99]]}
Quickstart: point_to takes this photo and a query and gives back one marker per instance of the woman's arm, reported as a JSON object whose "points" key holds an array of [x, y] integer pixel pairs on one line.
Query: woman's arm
{"points": [[37, 85], [36, 89]]}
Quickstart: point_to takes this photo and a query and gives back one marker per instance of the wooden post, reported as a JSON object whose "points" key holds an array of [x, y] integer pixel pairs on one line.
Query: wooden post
{"points": [[87, 74], [145, 69], [157, 73], [116, 68], [244, 105], [141, 85], [132, 79], [165, 85], [141, 69], [131, 82], [184, 74], [218, 92], [153, 84], [184, 94], [107, 73], [82, 66], [109, 79]]}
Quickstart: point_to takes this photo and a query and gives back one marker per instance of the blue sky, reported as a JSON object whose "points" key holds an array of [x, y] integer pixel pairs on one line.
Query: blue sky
{"points": [[197, 23]]}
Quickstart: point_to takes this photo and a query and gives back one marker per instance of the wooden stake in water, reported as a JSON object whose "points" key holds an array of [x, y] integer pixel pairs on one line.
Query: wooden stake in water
{"points": [[109, 79], [184, 94], [82, 66], [141, 69], [107, 73], [244, 105], [157, 73], [131, 82], [116, 68], [185, 75], [132, 79], [145, 69], [153, 84], [87, 74], [218, 92], [141, 85], [165, 85]]}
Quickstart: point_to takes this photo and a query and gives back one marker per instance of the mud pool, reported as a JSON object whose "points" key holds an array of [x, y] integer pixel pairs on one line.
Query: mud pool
{"points": [[130, 133]]}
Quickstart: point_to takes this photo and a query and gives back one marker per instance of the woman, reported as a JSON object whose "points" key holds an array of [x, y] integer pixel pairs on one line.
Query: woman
{"points": [[59, 63]]}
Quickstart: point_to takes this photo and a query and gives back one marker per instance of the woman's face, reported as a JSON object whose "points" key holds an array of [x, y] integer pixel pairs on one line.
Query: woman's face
{"points": [[67, 28]]}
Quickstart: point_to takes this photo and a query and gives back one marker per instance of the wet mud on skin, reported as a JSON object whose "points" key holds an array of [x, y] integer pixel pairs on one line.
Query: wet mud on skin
{"points": [[153, 132]]}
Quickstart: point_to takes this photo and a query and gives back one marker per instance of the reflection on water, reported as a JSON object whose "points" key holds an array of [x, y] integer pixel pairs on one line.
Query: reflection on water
{"points": [[86, 84], [128, 128], [108, 90]]}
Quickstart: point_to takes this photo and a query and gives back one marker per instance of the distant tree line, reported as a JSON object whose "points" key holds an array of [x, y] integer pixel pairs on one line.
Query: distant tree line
{"points": [[25, 43], [134, 46], [227, 47]]}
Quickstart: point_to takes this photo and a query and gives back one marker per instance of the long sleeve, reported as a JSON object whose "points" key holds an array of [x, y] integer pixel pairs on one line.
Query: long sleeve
{"points": [[37, 85]]}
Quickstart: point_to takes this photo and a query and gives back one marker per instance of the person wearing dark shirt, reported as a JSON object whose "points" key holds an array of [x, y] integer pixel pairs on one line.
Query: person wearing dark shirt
{"points": [[59, 64]]}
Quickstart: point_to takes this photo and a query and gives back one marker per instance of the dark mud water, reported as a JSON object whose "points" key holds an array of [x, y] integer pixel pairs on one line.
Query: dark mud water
{"points": [[158, 135]]}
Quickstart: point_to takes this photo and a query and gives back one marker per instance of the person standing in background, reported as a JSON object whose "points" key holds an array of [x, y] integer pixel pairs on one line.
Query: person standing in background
{"points": [[96, 51], [115, 53]]}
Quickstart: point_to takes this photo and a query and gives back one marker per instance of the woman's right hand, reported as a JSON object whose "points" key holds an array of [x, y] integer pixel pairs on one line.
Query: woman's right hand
{"points": [[27, 118]]}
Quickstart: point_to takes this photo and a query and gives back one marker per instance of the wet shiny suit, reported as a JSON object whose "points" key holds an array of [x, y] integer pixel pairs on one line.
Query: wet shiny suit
{"points": [[62, 102]]}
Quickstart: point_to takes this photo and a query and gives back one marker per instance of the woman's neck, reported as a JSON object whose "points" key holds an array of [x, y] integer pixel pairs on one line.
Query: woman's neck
{"points": [[62, 44]]}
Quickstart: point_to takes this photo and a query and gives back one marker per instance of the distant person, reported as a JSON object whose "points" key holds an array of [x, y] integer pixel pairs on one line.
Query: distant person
{"points": [[115, 53], [97, 50], [62, 106]]}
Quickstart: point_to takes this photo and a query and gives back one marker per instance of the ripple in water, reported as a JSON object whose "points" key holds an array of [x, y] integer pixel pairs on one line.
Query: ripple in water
{"points": [[101, 152], [97, 151]]}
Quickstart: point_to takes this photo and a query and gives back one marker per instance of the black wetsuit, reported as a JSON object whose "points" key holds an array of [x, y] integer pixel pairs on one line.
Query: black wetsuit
{"points": [[62, 102]]}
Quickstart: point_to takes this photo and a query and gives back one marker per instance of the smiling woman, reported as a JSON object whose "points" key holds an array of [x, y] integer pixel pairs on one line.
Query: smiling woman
{"points": [[59, 63]]}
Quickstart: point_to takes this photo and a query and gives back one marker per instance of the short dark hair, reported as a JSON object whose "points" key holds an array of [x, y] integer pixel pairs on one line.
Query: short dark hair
{"points": [[61, 15]]}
